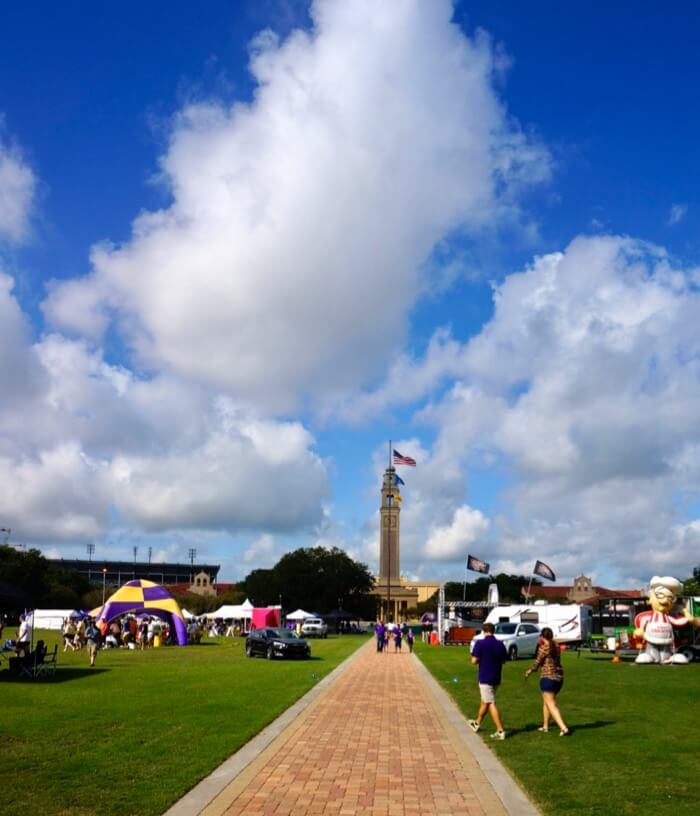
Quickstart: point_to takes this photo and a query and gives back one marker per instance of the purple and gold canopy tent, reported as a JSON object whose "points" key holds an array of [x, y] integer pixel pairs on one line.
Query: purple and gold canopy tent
{"points": [[145, 596]]}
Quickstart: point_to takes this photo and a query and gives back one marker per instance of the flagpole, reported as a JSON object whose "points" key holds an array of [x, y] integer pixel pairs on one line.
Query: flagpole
{"points": [[527, 598]]}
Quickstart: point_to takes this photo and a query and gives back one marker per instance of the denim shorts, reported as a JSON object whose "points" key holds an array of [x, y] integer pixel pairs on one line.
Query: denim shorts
{"points": [[550, 686]]}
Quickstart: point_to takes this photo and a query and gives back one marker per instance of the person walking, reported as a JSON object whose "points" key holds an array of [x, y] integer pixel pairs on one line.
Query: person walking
{"points": [[548, 661], [379, 632], [92, 640], [489, 655], [398, 635], [409, 639]]}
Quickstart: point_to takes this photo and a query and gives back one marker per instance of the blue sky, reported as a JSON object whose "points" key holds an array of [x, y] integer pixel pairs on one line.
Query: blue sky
{"points": [[244, 246]]}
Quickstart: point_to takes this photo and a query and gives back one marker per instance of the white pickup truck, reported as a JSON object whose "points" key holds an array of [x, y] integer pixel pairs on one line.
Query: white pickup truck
{"points": [[314, 627]]}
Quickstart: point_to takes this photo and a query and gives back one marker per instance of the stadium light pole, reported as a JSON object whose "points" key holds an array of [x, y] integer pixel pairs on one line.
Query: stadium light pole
{"points": [[90, 551], [192, 552], [104, 584]]}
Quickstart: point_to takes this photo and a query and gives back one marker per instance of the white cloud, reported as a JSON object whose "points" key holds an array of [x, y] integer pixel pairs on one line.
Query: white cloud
{"points": [[17, 187], [368, 140], [449, 543], [585, 387], [261, 552], [59, 494], [677, 213], [81, 439], [227, 482]]}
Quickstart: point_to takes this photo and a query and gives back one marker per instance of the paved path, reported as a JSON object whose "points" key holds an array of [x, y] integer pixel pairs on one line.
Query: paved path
{"points": [[380, 738]]}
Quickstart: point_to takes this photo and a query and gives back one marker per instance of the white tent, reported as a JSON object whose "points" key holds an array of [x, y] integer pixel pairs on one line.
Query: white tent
{"points": [[299, 614], [51, 618], [186, 614], [233, 611]]}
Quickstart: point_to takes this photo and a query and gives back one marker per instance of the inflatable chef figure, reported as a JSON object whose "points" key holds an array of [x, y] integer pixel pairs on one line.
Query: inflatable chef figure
{"points": [[656, 625]]}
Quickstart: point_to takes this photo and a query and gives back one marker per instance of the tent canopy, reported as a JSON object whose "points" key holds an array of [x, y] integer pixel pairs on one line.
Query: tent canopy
{"points": [[51, 618], [148, 598], [233, 611], [266, 616], [299, 614]]}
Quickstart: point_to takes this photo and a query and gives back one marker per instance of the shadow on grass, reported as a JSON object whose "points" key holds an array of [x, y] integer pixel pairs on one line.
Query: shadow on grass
{"points": [[62, 676], [573, 728]]}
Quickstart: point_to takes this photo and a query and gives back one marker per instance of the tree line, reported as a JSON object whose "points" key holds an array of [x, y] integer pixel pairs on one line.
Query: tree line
{"points": [[313, 578]]}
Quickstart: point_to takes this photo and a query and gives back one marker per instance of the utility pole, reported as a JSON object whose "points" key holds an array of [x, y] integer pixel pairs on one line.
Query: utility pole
{"points": [[135, 550]]}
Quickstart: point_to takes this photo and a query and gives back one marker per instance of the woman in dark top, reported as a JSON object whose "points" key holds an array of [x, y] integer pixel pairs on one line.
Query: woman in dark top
{"points": [[548, 661]]}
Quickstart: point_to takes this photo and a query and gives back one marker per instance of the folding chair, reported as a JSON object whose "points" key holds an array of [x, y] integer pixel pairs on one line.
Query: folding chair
{"points": [[48, 667]]}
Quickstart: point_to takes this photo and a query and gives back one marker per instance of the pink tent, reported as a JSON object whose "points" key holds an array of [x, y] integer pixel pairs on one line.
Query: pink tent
{"points": [[266, 616]]}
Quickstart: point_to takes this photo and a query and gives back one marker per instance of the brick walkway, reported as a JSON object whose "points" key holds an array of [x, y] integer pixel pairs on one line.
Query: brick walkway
{"points": [[378, 740]]}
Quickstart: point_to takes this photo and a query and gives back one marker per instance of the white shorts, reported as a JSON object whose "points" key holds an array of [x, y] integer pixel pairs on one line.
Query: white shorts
{"points": [[488, 693]]}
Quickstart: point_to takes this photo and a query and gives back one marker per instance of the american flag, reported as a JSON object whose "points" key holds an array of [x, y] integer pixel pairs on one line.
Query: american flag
{"points": [[403, 460]]}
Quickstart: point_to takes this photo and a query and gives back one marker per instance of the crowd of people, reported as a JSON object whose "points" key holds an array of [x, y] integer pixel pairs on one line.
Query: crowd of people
{"points": [[398, 633], [126, 632]]}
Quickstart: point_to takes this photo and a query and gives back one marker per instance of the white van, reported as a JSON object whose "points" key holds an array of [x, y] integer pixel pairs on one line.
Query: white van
{"points": [[570, 623]]}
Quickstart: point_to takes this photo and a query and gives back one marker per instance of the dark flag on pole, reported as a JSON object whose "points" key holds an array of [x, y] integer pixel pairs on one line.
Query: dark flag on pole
{"points": [[544, 571], [477, 565]]}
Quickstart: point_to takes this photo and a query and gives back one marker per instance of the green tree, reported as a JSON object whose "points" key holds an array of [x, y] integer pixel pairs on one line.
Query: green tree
{"points": [[691, 585], [316, 579], [43, 584]]}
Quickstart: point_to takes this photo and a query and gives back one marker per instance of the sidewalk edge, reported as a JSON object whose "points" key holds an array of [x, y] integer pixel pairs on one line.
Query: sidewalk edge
{"points": [[204, 792], [506, 787]]}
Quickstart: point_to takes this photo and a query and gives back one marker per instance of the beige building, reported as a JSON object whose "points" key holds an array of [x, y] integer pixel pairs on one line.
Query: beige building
{"points": [[201, 585], [396, 595]]}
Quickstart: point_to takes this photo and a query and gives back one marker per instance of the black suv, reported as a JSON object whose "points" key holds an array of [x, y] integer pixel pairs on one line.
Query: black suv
{"points": [[274, 643]]}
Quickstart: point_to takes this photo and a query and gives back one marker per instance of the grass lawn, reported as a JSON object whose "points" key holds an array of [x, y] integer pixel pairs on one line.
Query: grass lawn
{"points": [[635, 745], [133, 734]]}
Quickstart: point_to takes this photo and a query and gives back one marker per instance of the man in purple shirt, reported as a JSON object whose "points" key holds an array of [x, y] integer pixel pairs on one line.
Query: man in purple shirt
{"points": [[489, 655], [379, 632]]}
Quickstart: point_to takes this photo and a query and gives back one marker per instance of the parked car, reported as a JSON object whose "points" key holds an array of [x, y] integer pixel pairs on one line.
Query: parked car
{"points": [[314, 627], [520, 639], [272, 643]]}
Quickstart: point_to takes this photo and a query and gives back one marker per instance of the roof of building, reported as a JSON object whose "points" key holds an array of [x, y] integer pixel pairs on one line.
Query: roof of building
{"points": [[187, 587], [597, 592]]}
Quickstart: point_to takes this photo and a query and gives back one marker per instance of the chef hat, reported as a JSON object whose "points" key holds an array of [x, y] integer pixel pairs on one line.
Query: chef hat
{"points": [[672, 584]]}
